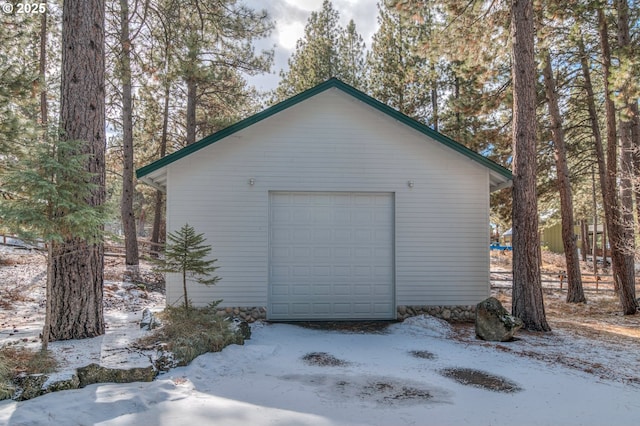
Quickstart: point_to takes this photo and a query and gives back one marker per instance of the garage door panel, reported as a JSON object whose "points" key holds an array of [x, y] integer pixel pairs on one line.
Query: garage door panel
{"points": [[300, 236], [362, 308], [342, 236], [300, 308], [301, 290], [362, 253], [341, 290], [331, 256], [341, 216], [279, 309], [341, 252], [322, 271], [384, 308], [321, 290], [322, 308], [301, 271], [321, 236], [381, 236], [280, 290]]}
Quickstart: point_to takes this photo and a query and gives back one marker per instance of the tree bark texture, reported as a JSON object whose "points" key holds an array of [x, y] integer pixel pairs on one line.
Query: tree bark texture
{"points": [[627, 290], [635, 135], [575, 292], [527, 301], [599, 151], [594, 252], [126, 201], [620, 236], [584, 232], [74, 302], [434, 99], [158, 206], [191, 110], [75, 278]]}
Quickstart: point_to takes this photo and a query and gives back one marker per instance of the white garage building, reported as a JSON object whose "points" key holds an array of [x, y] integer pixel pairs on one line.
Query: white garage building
{"points": [[333, 206]]}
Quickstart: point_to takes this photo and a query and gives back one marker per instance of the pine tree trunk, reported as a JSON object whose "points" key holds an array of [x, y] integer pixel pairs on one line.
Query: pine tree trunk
{"points": [[604, 248], [74, 299], [622, 255], [627, 293], [434, 98], [184, 289], [158, 205], [527, 301], [599, 151], [594, 246], [76, 307], [575, 292], [635, 136], [191, 111], [157, 223], [126, 202], [584, 231]]}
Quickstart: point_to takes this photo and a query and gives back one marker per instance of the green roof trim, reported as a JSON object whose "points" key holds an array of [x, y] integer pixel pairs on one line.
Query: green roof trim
{"points": [[300, 97]]}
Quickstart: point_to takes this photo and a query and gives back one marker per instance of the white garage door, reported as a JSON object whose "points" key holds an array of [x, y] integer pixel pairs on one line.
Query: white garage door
{"points": [[331, 256]]}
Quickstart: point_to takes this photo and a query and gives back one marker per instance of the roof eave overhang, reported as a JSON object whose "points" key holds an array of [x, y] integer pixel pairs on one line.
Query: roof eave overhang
{"points": [[158, 180], [498, 181]]}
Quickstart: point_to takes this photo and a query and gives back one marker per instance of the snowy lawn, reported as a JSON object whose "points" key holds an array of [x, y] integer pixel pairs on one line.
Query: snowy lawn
{"points": [[422, 371], [285, 375]]}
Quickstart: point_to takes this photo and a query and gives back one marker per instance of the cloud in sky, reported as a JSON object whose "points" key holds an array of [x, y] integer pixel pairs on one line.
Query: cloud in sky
{"points": [[291, 16]]}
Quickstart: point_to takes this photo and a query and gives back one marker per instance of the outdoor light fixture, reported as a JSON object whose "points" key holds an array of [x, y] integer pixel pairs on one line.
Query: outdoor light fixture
{"points": [[252, 181], [410, 184]]}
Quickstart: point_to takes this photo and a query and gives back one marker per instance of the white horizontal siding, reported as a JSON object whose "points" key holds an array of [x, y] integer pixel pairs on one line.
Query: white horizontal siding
{"points": [[333, 142]]}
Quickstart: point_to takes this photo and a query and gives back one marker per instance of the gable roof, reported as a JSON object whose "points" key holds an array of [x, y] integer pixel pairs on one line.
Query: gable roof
{"points": [[154, 173]]}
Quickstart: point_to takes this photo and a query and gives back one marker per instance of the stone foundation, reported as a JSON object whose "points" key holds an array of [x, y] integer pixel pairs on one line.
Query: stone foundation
{"points": [[249, 314], [460, 313], [448, 313]]}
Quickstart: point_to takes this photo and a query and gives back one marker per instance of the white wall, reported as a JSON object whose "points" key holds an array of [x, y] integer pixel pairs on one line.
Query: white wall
{"points": [[333, 142]]}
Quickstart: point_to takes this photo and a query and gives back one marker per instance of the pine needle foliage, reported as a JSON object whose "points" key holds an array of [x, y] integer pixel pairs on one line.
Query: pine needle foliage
{"points": [[47, 190], [186, 253]]}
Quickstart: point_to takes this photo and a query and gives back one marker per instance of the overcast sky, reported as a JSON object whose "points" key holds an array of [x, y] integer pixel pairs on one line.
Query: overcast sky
{"points": [[291, 16]]}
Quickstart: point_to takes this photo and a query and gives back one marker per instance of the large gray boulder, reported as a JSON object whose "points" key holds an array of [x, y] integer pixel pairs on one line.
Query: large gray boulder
{"points": [[494, 323]]}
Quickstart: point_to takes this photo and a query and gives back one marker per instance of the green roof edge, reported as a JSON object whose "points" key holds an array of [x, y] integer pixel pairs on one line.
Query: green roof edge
{"points": [[331, 83]]}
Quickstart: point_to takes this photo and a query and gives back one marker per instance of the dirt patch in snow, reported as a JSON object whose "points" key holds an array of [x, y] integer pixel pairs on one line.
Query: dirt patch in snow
{"points": [[323, 359], [422, 354], [480, 379], [389, 391], [380, 390]]}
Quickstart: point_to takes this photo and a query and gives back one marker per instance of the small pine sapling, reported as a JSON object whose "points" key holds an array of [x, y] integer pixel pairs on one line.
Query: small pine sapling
{"points": [[186, 253]]}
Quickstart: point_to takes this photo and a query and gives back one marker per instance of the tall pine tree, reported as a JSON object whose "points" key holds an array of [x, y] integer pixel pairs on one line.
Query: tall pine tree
{"points": [[75, 276], [399, 72], [326, 50], [351, 57], [527, 301]]}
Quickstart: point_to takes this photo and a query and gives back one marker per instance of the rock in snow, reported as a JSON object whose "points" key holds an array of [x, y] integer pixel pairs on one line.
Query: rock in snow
{"points": [[494, 323]]}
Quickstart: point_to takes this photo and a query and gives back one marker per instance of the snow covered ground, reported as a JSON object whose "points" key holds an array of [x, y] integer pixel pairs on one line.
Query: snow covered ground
{"points": [[396, 375], [382, 382]]}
